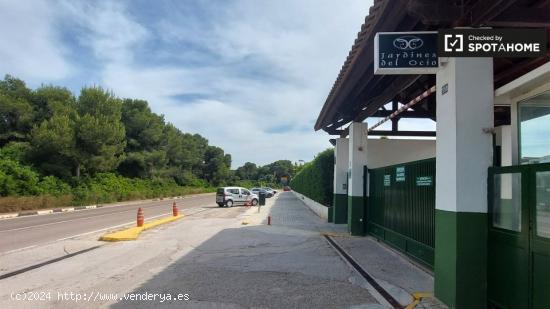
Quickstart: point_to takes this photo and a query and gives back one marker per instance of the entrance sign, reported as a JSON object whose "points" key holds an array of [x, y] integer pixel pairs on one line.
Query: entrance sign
{"points": [[405, 52]]}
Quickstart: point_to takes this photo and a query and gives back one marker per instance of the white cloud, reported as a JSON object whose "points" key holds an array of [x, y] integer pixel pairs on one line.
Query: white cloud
{"points": [[29, 45], [261, 66], [111, 32]]}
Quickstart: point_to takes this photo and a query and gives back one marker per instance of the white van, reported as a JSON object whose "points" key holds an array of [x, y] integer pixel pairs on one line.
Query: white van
{"points": [[229, 196]]}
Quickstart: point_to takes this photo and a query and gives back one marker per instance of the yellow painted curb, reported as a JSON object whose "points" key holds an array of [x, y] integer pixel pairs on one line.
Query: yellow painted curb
{"points": [[133, 232], [417, 298]]}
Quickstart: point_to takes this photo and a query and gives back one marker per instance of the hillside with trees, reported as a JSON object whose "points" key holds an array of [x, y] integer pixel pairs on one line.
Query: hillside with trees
{"points": [[58, 149], [93, 148]]}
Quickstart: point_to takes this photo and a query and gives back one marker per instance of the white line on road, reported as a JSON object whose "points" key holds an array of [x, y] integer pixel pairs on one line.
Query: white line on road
{"points": [[19, 249], [63, 221], [110, 227]]}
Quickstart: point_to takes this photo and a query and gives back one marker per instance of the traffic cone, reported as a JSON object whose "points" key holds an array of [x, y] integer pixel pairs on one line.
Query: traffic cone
{"points": [[174, 210], [140, 217]]}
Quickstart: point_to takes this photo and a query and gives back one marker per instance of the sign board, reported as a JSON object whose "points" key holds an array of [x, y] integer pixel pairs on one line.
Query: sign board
{"points": [[400, 174], [424, 181], [492, 43], [405, 52], [387, 180]]}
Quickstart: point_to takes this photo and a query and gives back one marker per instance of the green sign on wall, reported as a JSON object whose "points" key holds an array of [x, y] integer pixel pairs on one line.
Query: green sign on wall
{"points": [[400, 174], [387, 180], [424, 181]]}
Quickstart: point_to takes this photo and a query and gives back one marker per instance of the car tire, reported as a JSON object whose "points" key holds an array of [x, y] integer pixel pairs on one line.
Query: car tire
{"points": [[229, 203], [254, 202]]}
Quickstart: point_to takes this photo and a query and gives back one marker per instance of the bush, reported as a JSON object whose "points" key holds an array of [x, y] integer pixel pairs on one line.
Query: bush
{"points": [[315, 180], [17, 179]]}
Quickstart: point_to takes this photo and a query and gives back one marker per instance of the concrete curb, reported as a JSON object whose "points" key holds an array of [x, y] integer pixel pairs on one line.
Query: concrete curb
{"points": [[133, 232], [319, 209], [9, 215]]}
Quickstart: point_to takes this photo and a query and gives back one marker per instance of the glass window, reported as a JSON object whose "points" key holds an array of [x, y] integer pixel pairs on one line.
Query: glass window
{"points": [[543, 204], [507, 201], [534, 118], [245, 192]]}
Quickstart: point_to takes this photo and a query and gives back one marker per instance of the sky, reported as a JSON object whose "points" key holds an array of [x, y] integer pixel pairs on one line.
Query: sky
{"points": [[249, 75]]}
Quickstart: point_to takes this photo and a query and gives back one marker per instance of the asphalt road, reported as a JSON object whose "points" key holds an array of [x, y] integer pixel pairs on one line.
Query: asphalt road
{"points": [[25, 232]]}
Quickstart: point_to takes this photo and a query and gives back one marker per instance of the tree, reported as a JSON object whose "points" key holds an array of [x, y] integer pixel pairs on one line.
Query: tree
{"points": [[89, 137], [216, 170], [50, 100], [54, 146], [249, 171], [145, 156], [16, 113]]}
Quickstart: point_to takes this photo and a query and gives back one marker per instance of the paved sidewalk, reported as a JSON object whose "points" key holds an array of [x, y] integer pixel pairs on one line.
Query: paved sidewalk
{"points": [[399, 276]]}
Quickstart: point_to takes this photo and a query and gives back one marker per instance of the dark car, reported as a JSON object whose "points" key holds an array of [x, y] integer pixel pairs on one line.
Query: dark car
{"points": [[257, 191]]}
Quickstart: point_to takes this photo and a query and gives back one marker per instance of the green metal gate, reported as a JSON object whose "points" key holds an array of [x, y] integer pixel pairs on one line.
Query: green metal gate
{"points": [[401, 208], [518, 265]]}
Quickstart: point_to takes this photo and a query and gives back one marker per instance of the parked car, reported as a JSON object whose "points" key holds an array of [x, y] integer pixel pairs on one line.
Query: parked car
{"points": [[257, 191], [229, 196], [286, 188], [268, 189]]}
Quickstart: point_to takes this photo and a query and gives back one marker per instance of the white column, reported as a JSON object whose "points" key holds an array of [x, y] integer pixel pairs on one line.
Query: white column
{"points": [[506, 150], [357, 157], [340, 200], [357, 160], [463, 149], [464, 154], [341, 152]]}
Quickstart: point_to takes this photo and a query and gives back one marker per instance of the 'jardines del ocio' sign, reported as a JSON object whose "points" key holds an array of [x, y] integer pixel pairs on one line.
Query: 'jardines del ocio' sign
{"points": [[405, 53]]}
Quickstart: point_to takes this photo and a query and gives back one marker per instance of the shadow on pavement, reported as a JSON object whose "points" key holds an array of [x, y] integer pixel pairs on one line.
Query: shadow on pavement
{"points": [[259, 266]]}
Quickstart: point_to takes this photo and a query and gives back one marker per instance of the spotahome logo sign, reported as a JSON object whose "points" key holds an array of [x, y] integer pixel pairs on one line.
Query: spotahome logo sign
{"points": [[492, 43], [405, 53]]}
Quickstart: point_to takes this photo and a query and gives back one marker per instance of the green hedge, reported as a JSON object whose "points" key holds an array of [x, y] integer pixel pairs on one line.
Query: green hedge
{"points": [[316, 178]]}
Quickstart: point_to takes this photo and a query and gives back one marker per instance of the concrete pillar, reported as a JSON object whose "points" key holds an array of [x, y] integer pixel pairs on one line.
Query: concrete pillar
{"points": [[506, 149], [340, 200], [464, 153], [357, 160]]}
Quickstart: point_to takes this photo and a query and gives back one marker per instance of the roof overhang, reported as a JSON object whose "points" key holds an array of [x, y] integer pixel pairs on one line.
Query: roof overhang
{"points": [[358, 94]]}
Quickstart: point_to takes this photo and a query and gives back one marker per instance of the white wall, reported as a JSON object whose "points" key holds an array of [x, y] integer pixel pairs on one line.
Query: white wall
{"points": [[320, 210], [384, 152]]}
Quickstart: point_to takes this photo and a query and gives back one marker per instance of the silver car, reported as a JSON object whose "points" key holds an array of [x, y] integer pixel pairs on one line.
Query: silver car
{"points": [[229, 196]]}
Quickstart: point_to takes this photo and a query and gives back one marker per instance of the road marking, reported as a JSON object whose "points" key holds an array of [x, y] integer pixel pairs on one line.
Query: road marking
{"points": [[63, 221], [110, 227], [20, 249]]}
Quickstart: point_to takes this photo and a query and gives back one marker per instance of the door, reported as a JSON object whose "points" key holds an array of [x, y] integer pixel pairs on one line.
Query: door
{"points": [[540, 244], [244, 195], [508, 238], [235, 194], [518, 266]]}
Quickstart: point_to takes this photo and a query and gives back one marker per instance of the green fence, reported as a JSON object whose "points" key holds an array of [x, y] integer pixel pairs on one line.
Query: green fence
{"points": [[401, 209]]}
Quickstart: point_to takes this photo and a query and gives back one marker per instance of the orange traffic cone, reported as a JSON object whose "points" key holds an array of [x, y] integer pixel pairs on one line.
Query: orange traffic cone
{"points": [[174, 210], [140, 217]]}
